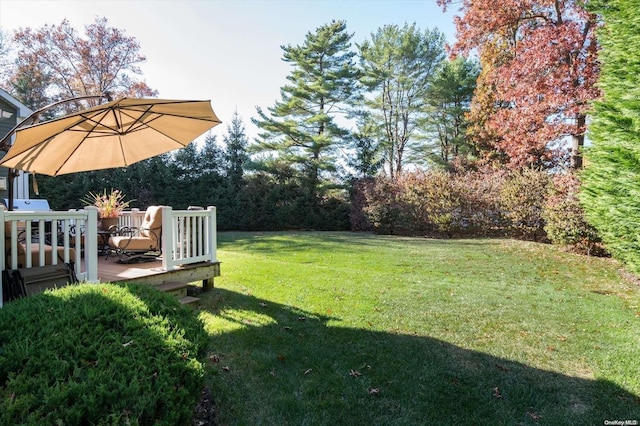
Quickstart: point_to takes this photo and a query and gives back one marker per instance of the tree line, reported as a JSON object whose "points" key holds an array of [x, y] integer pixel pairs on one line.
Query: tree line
{"points": [[396, 93], [353, 116]]}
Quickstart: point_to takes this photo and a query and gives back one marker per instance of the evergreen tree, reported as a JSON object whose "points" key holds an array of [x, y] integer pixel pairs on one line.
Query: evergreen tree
{"points": [[210, 185], [397, 67], [300, 135], [368, 158], [233, 214], [186, 163], [211, 158], [612, 167], [236, 151], [448, 101]]}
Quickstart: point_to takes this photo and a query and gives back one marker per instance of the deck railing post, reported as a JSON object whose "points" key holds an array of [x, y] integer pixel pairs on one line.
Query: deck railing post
{"points": [[167, 238], [212, 235], [91, 244]]}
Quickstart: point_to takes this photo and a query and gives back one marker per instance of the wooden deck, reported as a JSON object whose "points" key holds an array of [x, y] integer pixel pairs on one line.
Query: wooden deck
{"points": [[110, 270], [188, 240]]}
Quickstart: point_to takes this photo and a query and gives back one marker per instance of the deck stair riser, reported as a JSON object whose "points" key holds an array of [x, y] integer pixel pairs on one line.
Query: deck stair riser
{"points": [[189, 300], [179, 290]]}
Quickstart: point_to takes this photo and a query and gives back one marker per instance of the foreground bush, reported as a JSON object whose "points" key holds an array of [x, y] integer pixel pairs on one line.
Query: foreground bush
{"points": [[99, 354]]}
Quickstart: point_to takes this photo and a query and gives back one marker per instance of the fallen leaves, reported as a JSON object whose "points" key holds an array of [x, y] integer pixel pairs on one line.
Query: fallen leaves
{"points": [[496, 393], [533, 415]]}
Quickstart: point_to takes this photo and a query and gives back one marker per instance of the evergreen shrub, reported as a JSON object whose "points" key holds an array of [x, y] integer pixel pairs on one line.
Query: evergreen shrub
{"points": [[99, 354]]}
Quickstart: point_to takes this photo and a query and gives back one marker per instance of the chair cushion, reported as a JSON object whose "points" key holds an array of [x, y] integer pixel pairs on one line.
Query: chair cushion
{"points": [[152, 221], [132, 243], [35, 255], [7, 241]]}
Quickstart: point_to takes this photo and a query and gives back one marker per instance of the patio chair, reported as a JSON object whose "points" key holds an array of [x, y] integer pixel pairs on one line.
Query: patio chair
{"points": [[139, 244]]}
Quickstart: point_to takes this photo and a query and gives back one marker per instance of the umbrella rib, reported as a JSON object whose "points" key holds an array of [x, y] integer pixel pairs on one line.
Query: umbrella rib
{"points": [[96, 123], [138, 119]]}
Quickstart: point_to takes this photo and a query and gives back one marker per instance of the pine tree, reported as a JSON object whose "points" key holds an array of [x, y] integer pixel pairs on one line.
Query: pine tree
{"points": [[397, 67], [368, 157], [235, 154], [448, 102], [300, 134]]}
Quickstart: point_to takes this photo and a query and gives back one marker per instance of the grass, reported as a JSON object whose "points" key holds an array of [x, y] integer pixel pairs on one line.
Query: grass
{"points": [[352, 329]]}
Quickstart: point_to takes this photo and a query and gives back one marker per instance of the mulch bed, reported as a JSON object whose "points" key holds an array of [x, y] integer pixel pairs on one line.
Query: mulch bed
{"points": [[204, 414]]}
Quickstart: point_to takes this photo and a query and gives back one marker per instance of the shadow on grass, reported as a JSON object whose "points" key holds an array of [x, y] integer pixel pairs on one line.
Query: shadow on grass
{"points": [[291, 367], [99, 354]]}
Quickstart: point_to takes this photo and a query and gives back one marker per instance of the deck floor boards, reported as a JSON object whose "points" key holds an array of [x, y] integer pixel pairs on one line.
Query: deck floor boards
{"points": [[109, 270]]}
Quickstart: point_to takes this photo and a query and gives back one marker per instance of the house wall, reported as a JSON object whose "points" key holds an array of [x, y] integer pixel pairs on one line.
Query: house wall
{"points": [[6, 124], [9, 116]]}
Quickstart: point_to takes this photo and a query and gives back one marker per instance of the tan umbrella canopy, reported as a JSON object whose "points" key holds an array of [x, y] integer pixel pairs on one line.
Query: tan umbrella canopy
{"points": [[115, 134]]}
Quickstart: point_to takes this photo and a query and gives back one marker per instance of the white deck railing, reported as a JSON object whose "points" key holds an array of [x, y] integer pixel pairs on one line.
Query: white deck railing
{"points": [[32, 230], [130, 218], [188, 236]]}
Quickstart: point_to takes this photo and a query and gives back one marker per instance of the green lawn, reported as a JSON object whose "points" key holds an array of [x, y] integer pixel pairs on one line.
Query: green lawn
{"points": [[355, 329]]}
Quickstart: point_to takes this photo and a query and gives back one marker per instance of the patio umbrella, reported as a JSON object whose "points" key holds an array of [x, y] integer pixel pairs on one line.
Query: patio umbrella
{"points": [[115, 134]]}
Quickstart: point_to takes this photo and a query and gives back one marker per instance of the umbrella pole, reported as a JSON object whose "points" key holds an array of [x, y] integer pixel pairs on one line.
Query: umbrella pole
{"points": [[5, 143], [10, 177], [13, 174]]}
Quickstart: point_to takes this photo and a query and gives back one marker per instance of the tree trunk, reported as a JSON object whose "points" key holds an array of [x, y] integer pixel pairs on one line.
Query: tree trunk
{"points": [[577, 143]]}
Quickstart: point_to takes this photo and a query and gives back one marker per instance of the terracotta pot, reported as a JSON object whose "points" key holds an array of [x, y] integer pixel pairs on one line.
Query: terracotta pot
{"points": [[108, 222]]}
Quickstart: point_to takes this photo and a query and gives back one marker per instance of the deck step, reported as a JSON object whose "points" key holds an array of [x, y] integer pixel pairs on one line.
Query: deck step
{"points": [[178, 289], [188, 300]]}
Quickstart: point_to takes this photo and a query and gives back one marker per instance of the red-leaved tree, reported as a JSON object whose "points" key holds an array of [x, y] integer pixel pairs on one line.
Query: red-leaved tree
{"points": [[540, 67], [56, 62]]}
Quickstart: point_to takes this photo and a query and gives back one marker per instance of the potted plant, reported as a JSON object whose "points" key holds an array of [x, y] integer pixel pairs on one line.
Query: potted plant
{"points": [[109, 206]]}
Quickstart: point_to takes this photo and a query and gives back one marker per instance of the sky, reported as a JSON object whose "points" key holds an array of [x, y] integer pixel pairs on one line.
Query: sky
{"points": [[226, 51]]}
